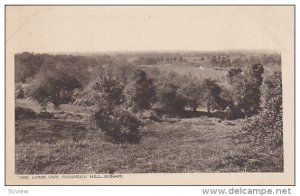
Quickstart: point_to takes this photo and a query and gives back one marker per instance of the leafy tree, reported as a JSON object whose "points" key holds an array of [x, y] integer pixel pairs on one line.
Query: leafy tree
{"points": [[192, 90], [110, 90], [140, 92], [271, 99], [212, 93], [254, 73], [232, 75], [170, 101], [53, 87], [246, 88], [226, 98], [27, 65], [251, 89], [107, 83], [266, 127]]}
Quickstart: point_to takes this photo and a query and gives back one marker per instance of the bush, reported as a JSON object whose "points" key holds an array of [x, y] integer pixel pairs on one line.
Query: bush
{"points": [[192, 90], [170, 101], [212, 93], [24, 113], [246, 88], [140, 92], [55, 87], [266, 128], [87, 97], [117, 124]]}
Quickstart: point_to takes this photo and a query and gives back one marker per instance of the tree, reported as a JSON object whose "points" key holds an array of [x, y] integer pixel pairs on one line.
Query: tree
{"points": [[232, 75], [266, 128], [140, 92], [212, 93], [245, 87], [27, 65], [110, 90], [213, 61], [192, 90], [107, 83], [53, 87], [170, 101], [251, 89], [271, 99]]}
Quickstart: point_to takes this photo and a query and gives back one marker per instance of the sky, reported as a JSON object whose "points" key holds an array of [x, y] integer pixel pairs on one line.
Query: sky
{"points": [[147, 28]]}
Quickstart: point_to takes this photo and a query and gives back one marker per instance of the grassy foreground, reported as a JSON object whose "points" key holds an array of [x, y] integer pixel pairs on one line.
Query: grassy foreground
{"points": [[65, 146]]}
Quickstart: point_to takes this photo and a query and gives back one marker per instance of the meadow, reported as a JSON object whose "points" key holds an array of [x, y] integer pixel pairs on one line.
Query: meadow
{"points": [[71, 146], [178, 121], [199, 72]]}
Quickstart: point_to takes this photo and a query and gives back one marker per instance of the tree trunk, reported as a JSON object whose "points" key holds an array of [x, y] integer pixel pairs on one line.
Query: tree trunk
{"points": [[208, 109], [195, 110]]}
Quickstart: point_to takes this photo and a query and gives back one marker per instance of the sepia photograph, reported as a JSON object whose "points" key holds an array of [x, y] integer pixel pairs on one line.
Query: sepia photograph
{"points": [[149, 95]]}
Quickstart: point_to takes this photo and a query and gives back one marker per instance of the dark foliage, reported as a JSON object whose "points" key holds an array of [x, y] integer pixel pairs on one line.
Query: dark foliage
{"points": [[140, 92], [110, 90], [27, 65], [212, 93], [232, 74], [24, 113], [53, 87], [245, 89], [45, 115], [169, 100], [266, 127], [117, 124], [192, 91]]}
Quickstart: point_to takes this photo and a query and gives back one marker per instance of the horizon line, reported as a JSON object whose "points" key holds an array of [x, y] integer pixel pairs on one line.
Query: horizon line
{"points": [[155, 51]]}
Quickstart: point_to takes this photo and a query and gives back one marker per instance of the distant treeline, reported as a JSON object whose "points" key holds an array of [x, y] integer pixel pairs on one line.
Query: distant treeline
{"points": [[210, 60], [159, 60], [27, 65]]}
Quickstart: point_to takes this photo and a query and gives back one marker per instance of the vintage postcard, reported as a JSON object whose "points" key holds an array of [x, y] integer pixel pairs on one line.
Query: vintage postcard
{"points": [[150, 95]]}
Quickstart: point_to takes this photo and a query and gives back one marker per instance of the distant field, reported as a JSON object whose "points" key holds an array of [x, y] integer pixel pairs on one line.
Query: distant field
{"points": [[201, 73], [56, 146], [204, 72]]}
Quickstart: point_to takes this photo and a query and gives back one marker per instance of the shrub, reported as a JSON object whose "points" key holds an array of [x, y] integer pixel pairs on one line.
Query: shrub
{"points": [[246, 88], [212, 92], [232, 74], [110, 90], [169, 100], [266, 127], [140, 92], [55, 87], [27, 65], [192, 90], [117, 124]]}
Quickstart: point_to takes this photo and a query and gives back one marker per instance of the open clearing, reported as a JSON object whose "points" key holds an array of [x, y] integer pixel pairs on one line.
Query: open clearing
{"points": [[200, 73]]}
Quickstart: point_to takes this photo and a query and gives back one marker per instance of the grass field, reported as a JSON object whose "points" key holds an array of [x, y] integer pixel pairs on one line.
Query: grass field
{"points": [[195, 71], [69, 146], [204, 72]]}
